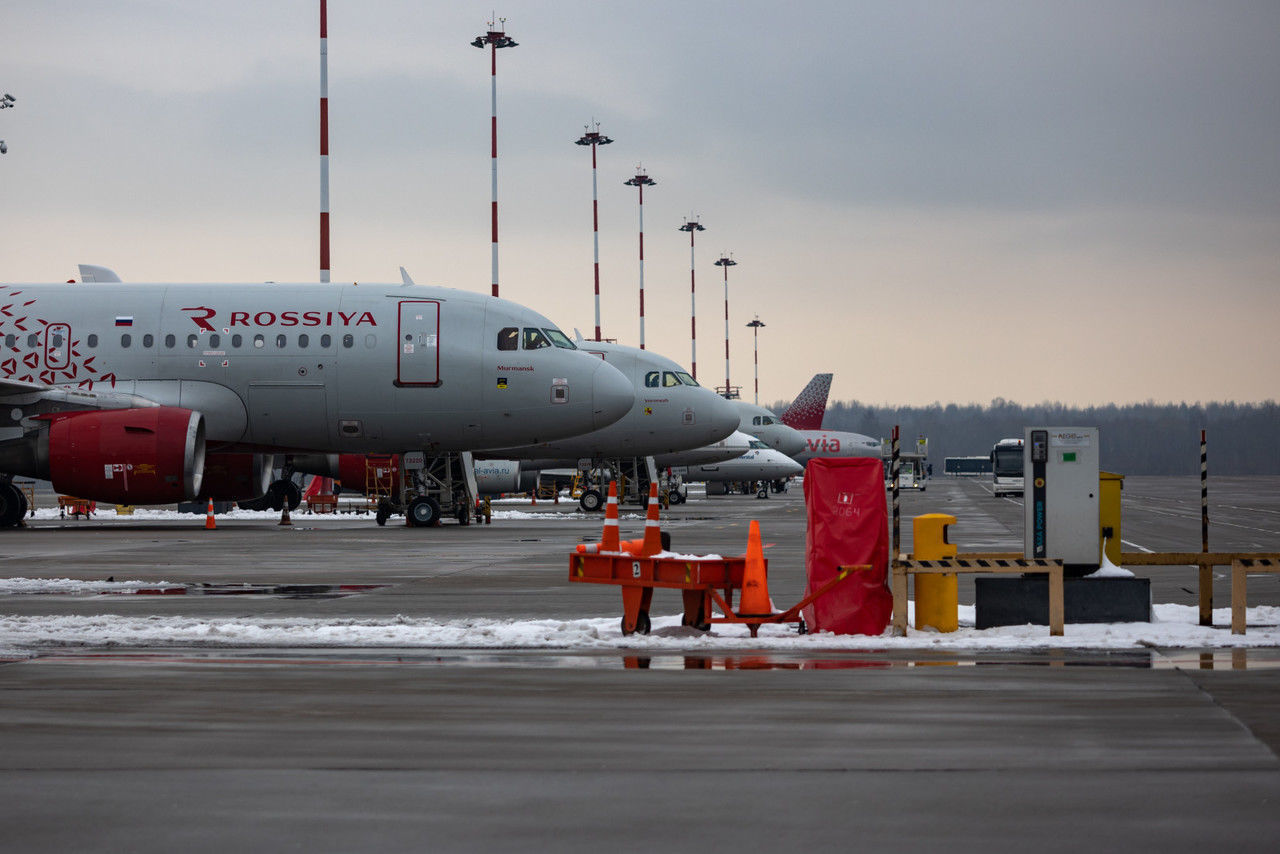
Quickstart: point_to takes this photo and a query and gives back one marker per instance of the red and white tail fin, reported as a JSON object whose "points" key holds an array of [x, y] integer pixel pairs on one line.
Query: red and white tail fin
{"points": [[806, 411]]}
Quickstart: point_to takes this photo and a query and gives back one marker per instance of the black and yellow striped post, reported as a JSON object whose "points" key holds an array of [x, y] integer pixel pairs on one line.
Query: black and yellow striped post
{"points": [[894, 464]]}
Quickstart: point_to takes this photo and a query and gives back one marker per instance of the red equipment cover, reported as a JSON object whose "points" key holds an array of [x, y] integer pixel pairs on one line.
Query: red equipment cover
{"points": [[848, 526]]}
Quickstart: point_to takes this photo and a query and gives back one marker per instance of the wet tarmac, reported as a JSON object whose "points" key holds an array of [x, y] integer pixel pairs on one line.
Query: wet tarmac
{"points": [[348, 749]]}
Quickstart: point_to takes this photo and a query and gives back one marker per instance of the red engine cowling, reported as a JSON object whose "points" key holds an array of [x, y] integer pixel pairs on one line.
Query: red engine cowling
{"points": [[369, 473], [128, 456], [235, 477]]}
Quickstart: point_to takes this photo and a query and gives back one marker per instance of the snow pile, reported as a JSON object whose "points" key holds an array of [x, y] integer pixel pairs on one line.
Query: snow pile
{"points": [[1175, 626], [72, 587]]}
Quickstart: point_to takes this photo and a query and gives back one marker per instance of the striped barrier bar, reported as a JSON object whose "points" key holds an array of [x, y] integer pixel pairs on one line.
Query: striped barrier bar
{"points": [[1052, 568]]}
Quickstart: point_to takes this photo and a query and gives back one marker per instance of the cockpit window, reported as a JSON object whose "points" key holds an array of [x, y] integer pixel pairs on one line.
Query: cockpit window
{"points": [[767, 420], [686, 379], [669, 379], [559, 339], [756, 443], [652, 379], [755, 422], [534, 339], [508, 338]]}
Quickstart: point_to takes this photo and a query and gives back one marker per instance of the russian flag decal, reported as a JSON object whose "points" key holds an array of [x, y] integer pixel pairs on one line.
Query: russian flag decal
{"points": [[124, 321]]}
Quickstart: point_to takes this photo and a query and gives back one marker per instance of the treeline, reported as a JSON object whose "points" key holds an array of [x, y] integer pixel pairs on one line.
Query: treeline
{"points": [[1144, 438]]}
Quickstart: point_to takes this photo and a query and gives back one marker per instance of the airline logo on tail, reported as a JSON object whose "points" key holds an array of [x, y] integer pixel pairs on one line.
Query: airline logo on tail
{"points": [[806, 411]]}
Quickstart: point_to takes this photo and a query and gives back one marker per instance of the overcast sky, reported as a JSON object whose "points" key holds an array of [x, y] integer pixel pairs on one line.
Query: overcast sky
{"points": [[936, 201]]}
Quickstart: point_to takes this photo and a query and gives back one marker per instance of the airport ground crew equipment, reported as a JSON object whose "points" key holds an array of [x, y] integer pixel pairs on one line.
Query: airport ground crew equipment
{"points": [[902, 569], [937, 594], [76, 507], [1239, 598], [640, 566]]}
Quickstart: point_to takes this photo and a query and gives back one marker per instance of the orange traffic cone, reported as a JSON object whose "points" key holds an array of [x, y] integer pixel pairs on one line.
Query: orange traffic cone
{"points": [[609, 536], [652, 532], [209, 523], [755, 600]]}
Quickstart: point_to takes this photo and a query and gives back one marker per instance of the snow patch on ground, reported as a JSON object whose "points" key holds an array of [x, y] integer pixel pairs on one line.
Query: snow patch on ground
{"points": [[1174, 626]]}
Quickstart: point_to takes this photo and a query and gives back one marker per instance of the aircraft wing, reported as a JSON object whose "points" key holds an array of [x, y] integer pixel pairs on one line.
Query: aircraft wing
{"points": [[25, 394]]}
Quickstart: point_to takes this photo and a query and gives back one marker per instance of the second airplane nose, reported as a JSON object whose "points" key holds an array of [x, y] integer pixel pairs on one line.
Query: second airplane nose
{"points": [[612, 395]]}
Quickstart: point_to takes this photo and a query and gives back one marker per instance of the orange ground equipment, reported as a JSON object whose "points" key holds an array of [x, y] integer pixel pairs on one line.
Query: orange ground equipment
{"points": [[640, 566]]}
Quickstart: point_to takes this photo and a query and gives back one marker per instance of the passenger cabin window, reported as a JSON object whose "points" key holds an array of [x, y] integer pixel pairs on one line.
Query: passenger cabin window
{"points": [[348, 340], [259, 341], [281, 341], [237, 340], [669, 379], [326, 340], [191, 341], [148, 340], [32, 339], [126, 340], [303, 341], [215, 340], [92, 340], [170, 341], [508, 338], [371, 341], [534, 339]]}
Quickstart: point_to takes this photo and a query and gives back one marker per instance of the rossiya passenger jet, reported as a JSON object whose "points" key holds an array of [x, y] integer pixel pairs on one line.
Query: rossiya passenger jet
{"points": [[158, 393], [805, 416]]}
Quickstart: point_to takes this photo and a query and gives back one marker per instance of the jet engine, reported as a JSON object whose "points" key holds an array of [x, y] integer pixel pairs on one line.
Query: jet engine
{"points": [[154, 455], [494, 477], [236, 477]]}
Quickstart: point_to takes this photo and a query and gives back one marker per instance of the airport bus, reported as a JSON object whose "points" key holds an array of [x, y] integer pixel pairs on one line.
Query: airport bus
{"points": [[1006, 467]]}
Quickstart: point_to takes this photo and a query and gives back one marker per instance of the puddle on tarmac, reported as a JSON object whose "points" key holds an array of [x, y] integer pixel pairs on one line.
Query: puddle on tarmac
{"points": [[1240, 658]]}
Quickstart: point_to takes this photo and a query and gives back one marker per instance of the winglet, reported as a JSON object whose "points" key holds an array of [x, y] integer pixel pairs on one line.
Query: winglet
{"points": [[94, 273]]}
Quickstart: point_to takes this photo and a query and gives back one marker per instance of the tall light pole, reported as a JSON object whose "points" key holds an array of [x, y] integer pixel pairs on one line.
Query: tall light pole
{"points": [[594, 138], [693, 226], [640, 181], [756, 326], [324, 141], [726, 262], [495, 38]]}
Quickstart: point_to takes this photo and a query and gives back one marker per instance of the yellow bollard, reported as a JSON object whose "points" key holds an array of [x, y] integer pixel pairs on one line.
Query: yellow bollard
{"points": [[1109, 486], [937, 595]]}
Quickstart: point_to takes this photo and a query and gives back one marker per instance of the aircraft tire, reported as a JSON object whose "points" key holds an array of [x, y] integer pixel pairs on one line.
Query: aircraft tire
{"points": [[591, 501], [12, 505], [464, 515], [423, 512], [284, 490], [676, 497]]}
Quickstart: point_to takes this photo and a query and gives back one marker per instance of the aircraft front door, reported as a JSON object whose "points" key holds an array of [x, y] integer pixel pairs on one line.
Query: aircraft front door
{"points": [[418, 343]]}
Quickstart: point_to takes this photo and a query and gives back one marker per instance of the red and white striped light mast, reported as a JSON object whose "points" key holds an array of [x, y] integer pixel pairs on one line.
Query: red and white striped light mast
{"points": [[594, 138], [755, 327], [640, 181], [324, 141], [726, 261], [693, 226], [495, 38]]}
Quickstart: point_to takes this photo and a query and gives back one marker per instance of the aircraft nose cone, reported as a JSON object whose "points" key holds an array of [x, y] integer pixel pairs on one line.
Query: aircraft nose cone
{"points": [[612, 395], [722, 416]]}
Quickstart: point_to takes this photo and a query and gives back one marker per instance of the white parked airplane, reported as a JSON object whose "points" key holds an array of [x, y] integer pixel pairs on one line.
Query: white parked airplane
{"points": [[768, 428], [760, 464], [157, 393]]}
